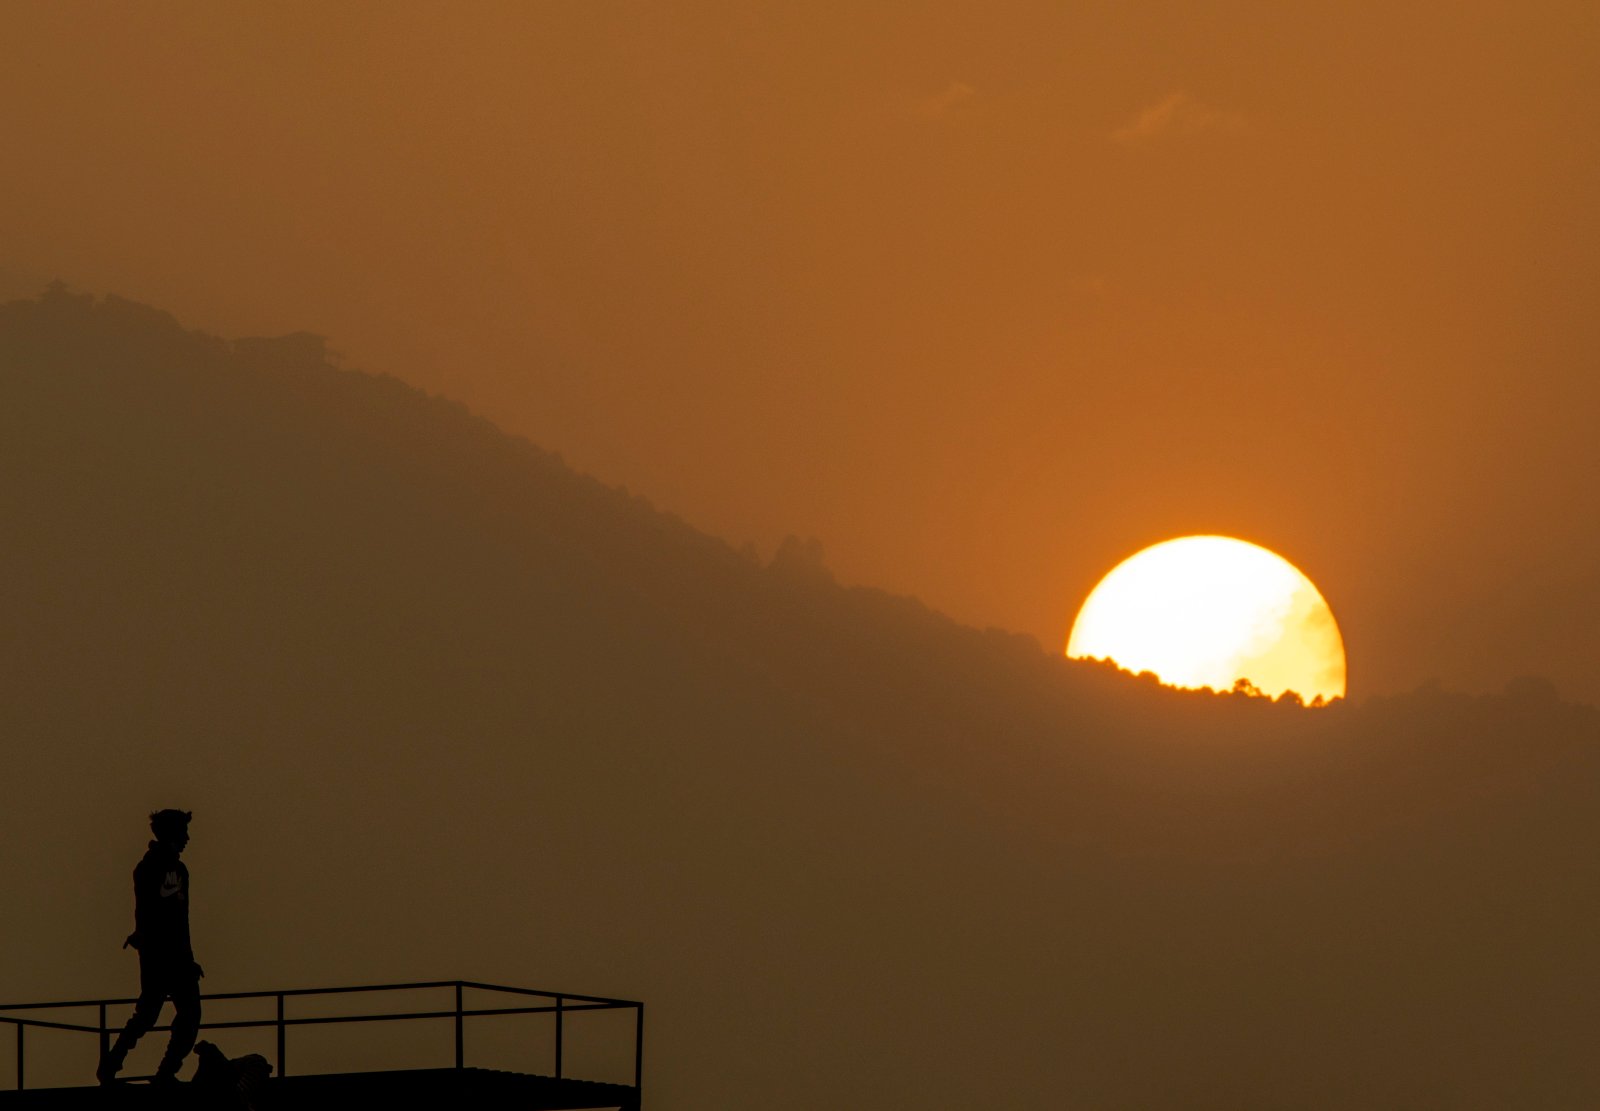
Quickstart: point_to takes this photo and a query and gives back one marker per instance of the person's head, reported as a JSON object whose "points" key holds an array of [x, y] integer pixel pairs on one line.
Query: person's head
{"points": [[171, 827]]}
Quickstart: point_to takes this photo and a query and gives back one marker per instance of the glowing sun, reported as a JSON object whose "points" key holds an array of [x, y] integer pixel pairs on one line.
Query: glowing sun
{"points": [[1207, 611]]}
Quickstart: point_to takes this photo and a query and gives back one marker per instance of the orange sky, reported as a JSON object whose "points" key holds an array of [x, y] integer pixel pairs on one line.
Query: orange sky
{"points": [[985, 297]]}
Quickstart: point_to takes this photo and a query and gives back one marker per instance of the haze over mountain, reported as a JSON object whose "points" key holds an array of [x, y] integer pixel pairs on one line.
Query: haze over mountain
{"points": [[988, 297], [443, 706]]}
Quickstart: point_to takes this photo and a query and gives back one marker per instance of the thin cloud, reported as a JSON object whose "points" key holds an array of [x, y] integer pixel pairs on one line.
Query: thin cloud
{"points": [[1177, 115], [954, 100]]}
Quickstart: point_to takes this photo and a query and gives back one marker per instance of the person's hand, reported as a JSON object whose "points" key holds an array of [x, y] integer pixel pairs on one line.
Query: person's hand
{"points": [[199, 973]]}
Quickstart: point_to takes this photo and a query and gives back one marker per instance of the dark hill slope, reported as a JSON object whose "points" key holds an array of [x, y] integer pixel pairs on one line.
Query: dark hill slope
{"points": [[445, 707]]}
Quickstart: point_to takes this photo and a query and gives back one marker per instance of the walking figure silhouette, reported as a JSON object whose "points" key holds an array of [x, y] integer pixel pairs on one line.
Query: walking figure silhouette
{"points": [[167, 968]]}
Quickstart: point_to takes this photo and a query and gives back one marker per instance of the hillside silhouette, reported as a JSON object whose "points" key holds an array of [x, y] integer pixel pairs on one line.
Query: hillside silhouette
{"points": [[437, 700]]}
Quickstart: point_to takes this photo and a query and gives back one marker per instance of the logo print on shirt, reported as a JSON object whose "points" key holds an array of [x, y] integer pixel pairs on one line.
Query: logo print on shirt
{"points": [[170, 885]]}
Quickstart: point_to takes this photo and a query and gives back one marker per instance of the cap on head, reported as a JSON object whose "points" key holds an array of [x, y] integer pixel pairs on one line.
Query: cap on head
{"points": [[165, 823]]}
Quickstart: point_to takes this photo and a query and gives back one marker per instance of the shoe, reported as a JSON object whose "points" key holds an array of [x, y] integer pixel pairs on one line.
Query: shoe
{"points": [[165, 1080], [110, 1065]]}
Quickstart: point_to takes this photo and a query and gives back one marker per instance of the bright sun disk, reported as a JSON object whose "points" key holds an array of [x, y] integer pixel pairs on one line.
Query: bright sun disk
{"points": [[1207, 611]]}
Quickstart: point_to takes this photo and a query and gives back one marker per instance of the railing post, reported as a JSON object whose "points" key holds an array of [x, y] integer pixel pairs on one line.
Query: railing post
{"points": [[461, 1052], [638, 1047], [559, 1003], [105, 1034], [281, 1068], [20, 1028]]}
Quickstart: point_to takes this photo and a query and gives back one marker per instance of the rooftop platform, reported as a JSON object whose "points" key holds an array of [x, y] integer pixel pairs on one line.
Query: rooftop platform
{"points": [[485, 1089], [544, 1086]]}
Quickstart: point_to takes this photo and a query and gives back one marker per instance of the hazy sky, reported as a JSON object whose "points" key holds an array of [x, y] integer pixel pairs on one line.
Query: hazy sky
{"points": [[984, 296]]}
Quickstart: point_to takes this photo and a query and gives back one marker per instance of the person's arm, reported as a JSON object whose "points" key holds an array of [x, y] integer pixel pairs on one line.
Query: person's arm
{"points": [[146, 905]]}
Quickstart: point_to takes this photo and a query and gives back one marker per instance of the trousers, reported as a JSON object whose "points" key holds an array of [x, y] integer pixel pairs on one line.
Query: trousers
{"points": [[163, 977]]}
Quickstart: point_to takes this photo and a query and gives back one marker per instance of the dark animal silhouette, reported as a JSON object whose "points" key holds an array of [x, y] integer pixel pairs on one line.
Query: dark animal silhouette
{"points": [[228, 1084]]}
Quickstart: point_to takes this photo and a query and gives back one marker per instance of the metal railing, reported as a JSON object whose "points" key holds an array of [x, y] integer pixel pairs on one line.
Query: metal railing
{"points": [[564, 1003]]}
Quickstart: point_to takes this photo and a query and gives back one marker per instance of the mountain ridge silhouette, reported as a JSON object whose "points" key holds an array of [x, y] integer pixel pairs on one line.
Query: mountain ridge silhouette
{"points": [[431, 692]]}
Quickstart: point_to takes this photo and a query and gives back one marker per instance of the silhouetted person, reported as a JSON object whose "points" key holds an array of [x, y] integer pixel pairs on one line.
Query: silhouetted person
{"points": [[167, 968]]}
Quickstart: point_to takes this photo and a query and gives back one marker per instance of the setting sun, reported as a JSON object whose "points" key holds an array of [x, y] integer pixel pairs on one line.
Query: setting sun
{"points": [[1208, 611]]}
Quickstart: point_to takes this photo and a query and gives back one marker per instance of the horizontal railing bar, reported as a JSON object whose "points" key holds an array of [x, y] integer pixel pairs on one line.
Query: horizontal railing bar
{"points": [[240, 995], [333, 991], [477, 1012], [244, 1024], [515, 991], [324, 1020], [549, 994], [53, 1025], [297, 992]]}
